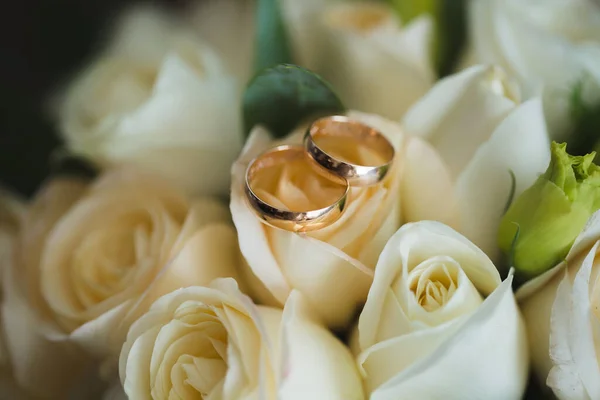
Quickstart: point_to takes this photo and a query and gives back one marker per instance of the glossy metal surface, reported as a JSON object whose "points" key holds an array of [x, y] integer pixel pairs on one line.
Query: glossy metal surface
{"points": [[292, 220], [346, 128]]}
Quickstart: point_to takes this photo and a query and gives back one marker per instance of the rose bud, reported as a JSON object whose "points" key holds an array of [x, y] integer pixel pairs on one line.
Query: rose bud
{"points": [[541, 225]]}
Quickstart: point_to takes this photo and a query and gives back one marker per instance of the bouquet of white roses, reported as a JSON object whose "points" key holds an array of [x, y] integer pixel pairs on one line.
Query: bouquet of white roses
{"points": [[289, 202]]}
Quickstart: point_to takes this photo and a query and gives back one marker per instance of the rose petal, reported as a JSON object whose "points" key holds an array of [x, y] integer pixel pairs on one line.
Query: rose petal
{"points": [[387, 358], [306, 344], [571, 336], [255, 337], [536, 309], [563, 378], [487, 357], [361, 41], [302, 23], [418, 241], [223, 24], [69, 232], [427, 190], [251, 234], [43, 360], [525, 38], [155, 99], [519, 144], [460, 113], [313, 266], [174, 107], [211, 253], [464, 300]]}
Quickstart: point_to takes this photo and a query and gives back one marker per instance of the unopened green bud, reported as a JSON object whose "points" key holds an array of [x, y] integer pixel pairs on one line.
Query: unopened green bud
{"points": [[539, 228]]}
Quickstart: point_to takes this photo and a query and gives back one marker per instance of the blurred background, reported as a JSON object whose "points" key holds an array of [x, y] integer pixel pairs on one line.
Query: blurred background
{"points": [[42, 44]]}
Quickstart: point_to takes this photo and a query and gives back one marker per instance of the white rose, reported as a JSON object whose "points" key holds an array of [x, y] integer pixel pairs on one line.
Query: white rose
{"points": [[374, 63], [213, 342], [228, 26], [302, 23], [333, 266], [90, 260], [475, 122], [439, 323], [549, 45], [158, 98], [562, 312]]}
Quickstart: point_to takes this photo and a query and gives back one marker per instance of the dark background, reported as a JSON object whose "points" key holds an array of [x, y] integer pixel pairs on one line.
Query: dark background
{"points": [[42, 43]]}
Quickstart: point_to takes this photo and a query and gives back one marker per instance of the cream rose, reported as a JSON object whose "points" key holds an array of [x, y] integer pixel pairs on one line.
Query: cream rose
{"points": [[475, 122], [332, 267], [213, 342], [303, 26], [374, 63], [228, 26], [439, 323], [158, 98], [90, 260], [562, 313], [526, 38]]}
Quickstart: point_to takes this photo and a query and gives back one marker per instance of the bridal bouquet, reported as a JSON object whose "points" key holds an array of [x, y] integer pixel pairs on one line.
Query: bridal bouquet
{"points": [[288, 201]]}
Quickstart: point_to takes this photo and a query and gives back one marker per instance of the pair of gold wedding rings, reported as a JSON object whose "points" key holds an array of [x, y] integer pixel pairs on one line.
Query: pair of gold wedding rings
{"points": [[340, 171]]}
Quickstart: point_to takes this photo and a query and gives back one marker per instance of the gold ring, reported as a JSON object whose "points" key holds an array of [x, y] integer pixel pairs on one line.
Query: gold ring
{"points": [[281, 217], [345, 130]]}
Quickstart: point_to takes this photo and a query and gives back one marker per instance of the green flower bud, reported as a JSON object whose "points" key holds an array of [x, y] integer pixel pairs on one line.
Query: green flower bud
{"points": [[539, 228]]}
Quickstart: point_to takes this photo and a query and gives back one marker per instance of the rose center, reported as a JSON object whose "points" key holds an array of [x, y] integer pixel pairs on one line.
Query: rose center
{"points": [[433, 284], [106, 259], [195, 362], [129, 88]]}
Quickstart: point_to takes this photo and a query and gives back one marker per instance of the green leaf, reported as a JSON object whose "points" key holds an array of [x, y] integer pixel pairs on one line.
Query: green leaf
{"points": [[272, 46], [281, 97]]}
